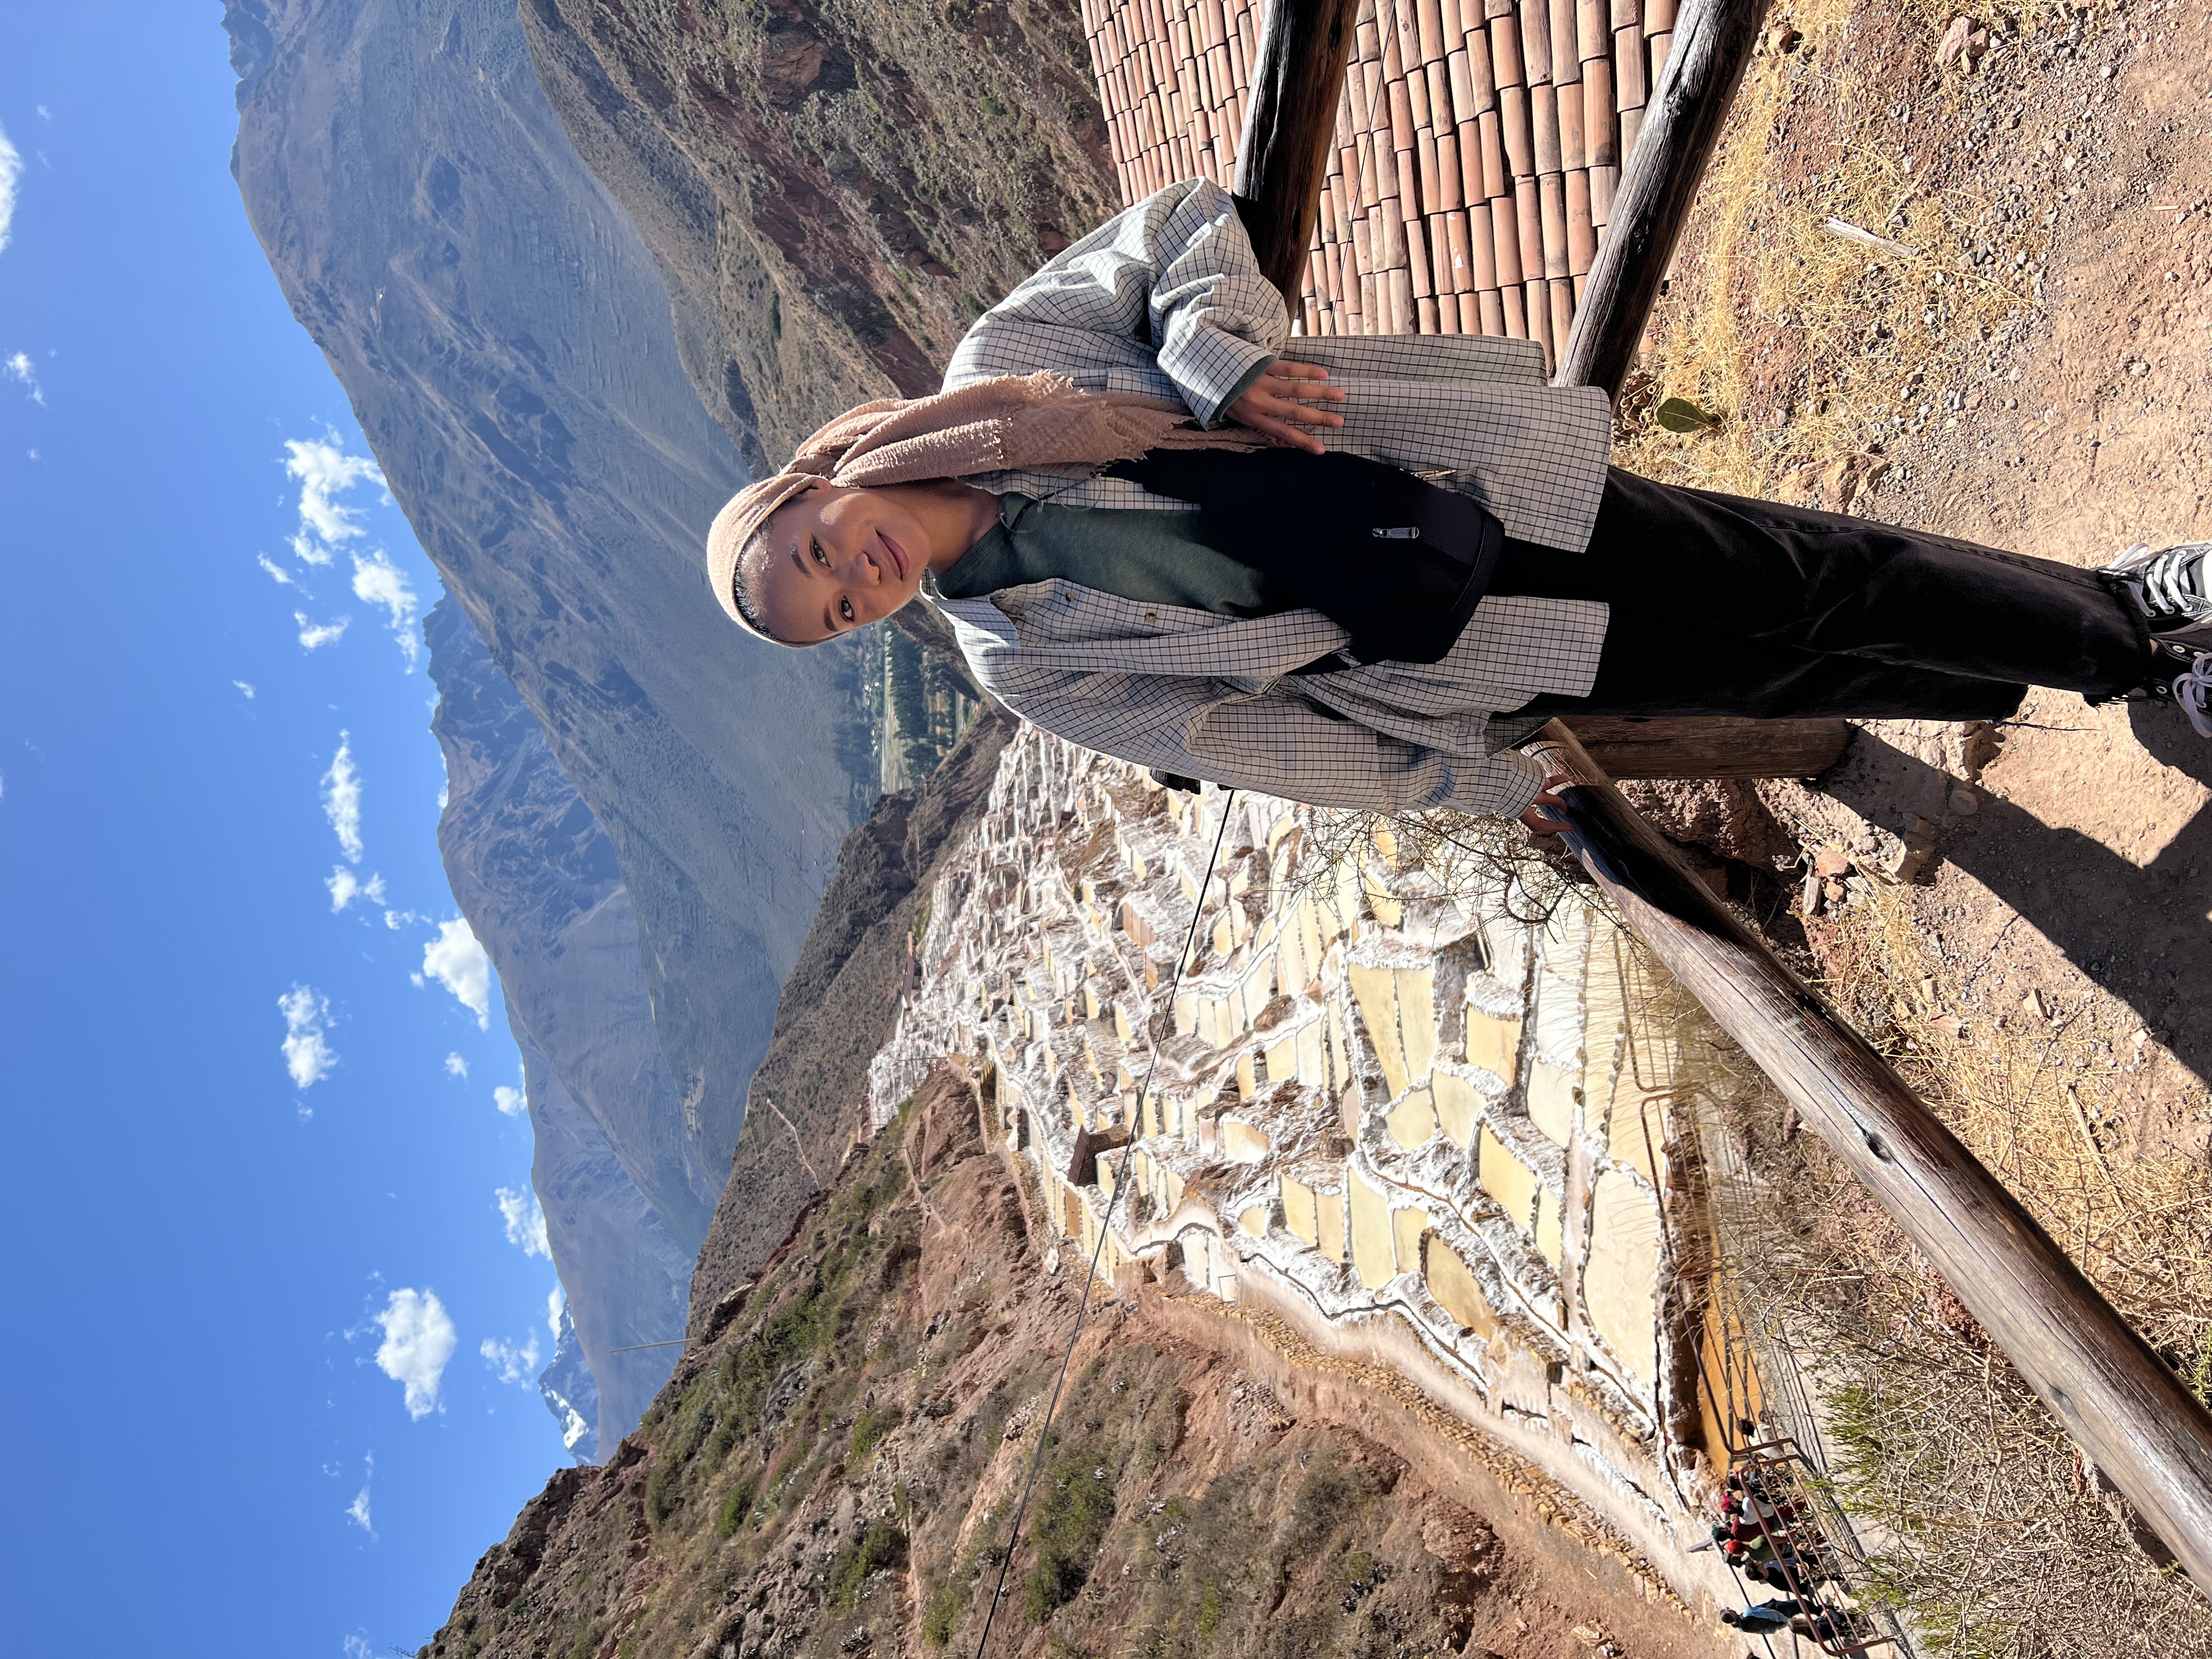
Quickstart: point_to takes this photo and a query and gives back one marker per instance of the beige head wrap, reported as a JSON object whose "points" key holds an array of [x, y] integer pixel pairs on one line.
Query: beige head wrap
{"points": [[1036, 421]]}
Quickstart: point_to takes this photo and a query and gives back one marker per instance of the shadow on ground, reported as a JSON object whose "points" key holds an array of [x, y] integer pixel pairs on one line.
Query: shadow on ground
{"points": [[2140, 931]]}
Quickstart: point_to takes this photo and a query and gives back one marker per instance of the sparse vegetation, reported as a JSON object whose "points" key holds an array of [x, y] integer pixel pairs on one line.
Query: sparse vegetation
{"points": [[1814, 350], [881, 1545], [1075, 1501], [1985, 1527]]}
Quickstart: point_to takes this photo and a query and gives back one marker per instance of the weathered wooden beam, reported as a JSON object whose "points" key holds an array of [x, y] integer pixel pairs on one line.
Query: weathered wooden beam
{"points": [[1682, 120], [2122, 1405], [1289, 120], [1649, 746]]}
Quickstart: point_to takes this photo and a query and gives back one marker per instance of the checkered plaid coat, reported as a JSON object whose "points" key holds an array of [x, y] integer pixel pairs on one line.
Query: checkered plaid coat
{"points": [[1167, 299]]}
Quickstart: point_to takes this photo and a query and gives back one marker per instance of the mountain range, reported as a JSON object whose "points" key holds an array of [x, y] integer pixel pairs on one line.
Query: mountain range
{"points": [[644, 806]]}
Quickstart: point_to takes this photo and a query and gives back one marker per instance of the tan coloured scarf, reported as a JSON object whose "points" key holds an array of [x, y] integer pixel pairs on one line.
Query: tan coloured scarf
{"points": [[1037, 423]]}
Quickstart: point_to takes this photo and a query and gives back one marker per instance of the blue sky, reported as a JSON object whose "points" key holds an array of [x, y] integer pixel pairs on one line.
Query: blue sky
{"points": [[273, 1289]]}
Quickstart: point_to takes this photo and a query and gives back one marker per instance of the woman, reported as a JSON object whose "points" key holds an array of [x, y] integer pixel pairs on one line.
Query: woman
{"points": [[1158, 539]]}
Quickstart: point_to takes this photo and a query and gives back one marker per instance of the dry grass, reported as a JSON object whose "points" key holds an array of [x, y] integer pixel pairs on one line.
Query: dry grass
{"points": [[1984, 1525], [1808, 347]]}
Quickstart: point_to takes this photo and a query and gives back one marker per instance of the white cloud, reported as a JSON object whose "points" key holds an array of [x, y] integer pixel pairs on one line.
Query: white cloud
{"points": [[276, 572], [509, 1101], [357, 1512], [457, 961], [377, 580], [11, 173], [324, 472], [346, 887], [418, 1341], [19, 367], [556, 1303], [307, 1056], [342, 802], [246, 688], [455, 1066], [513, 1363], [313, 635], [525, 1222]]}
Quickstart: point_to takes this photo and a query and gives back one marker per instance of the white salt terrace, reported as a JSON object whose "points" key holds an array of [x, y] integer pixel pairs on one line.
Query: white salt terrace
{"points": [[1425, 1132]]}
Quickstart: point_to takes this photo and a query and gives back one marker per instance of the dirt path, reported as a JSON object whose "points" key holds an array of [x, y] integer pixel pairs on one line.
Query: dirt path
{"points": [[2060, 175], [2084, 877]]}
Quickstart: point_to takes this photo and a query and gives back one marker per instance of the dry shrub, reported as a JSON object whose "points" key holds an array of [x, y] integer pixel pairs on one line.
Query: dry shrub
{"points": [[1475, 861], [1980, 1521]]}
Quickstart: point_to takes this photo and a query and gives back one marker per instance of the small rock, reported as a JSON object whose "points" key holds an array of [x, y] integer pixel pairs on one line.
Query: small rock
{"points": [[1832, 861], [2033, 1004], [1809, 900], [1949, 1026], [1589, 1635], [1964, 38], [1965, 803]]}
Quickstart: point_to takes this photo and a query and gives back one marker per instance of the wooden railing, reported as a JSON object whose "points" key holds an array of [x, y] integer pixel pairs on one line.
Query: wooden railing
{"points": [[2123, 1407]]}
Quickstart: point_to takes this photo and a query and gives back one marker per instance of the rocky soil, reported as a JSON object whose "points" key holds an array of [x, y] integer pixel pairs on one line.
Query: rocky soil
{"points": [[832, 1471], [2033, 377]]}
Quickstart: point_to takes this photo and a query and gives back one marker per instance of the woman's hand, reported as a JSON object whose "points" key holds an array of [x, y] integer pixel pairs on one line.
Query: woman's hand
{"points": [[1280, 403], [1540, 822]]}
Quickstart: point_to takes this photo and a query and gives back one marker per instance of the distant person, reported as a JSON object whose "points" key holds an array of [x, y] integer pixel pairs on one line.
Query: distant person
{"points": [[1160, 538], [1762, 1620], [1828, 1624]]}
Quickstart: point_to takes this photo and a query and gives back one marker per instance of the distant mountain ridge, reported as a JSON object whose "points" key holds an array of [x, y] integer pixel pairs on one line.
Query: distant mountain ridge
{"points": [[508, 346], [834, 188]]}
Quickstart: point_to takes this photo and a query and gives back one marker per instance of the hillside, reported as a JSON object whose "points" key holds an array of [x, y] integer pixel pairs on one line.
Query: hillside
{"points": [[839, 1008], [832, 1470], [834, 188]]}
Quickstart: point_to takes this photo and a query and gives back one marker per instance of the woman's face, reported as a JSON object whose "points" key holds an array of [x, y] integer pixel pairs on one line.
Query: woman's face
{"points": [[834, 560]]}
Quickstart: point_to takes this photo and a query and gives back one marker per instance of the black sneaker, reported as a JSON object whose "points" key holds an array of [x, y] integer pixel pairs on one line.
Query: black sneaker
{"points": [[2172, 587], [2192, 690]]}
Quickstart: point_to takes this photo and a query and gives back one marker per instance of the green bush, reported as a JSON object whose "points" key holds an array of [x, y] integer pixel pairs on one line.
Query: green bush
{"points": [[1209, 1612], [940, 1615], [1075, 1504], [735, 1507], [869, 1429], [882, 1545]]}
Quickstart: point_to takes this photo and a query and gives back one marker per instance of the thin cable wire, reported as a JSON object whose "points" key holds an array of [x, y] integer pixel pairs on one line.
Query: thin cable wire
{"points": [[1044, 1434]]}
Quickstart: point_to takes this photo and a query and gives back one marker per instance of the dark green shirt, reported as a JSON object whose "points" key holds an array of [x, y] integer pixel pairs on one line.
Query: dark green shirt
{"points": [[1143, 554]]}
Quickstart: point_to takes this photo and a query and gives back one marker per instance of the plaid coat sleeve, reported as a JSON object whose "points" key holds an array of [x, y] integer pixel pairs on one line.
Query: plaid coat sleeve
{"points": [[1164, 298], [1185, 691]]}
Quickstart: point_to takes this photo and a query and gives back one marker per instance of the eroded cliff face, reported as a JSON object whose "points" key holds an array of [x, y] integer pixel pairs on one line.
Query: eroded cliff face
{"points": [[833, 1470], [508, 347], [836, 187]]}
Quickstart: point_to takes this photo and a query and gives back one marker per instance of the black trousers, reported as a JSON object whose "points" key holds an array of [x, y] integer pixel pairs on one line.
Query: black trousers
{"points": [[1721, 605]]}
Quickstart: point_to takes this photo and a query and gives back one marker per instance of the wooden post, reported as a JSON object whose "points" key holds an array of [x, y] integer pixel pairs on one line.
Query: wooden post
{"points": [[1648, 746], [1681, 122], [2122, 1404], [1290, 118]]}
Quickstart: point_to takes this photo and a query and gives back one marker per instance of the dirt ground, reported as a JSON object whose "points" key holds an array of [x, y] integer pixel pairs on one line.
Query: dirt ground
{"points": [[2051, 181]]}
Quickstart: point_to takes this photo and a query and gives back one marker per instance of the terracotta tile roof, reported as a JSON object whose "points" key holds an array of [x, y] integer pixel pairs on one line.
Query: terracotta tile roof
{"points": [[1478, 145]]}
